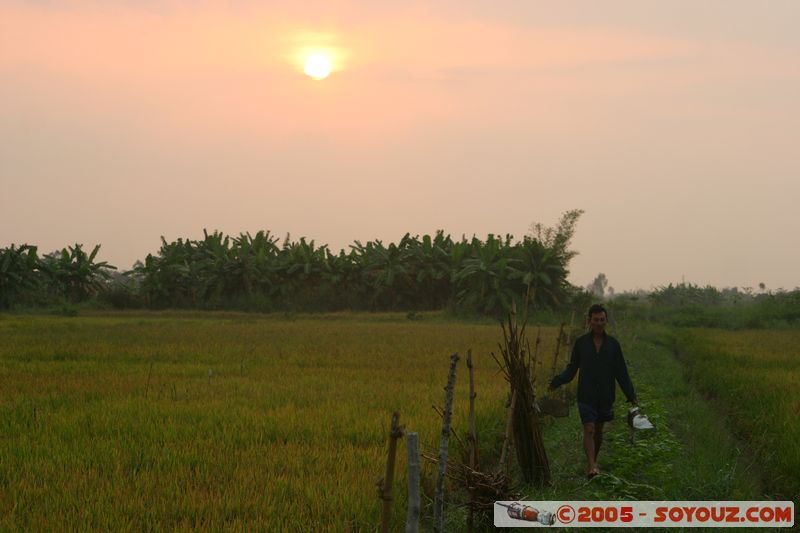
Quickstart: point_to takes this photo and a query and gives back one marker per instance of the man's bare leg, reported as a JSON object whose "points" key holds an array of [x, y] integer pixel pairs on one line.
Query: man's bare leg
{"points": [[589, 446], [598, 439]]}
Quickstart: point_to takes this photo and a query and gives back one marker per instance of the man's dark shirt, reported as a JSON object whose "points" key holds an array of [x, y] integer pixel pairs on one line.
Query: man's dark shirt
{"points": [[597, 371]]}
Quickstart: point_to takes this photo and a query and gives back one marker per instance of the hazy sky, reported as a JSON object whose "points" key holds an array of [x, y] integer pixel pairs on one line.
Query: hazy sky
{"points": [[674, 125]]}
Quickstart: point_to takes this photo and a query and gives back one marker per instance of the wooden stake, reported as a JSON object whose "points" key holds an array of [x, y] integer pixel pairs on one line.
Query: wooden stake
{"points": [[438, 509], [414, 506], [473, 441], [386, 484], [473, 437]]}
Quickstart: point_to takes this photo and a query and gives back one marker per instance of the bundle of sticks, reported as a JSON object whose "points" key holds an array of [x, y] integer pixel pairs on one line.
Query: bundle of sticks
{"points": [[485, 487], [526, 427]]}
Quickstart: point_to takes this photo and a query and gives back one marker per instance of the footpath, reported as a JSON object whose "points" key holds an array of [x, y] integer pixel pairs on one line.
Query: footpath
{"points": [[690, 455]]}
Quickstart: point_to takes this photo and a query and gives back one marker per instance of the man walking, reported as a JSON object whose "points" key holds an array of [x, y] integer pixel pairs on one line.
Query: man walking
{"points": [[599, 358]]}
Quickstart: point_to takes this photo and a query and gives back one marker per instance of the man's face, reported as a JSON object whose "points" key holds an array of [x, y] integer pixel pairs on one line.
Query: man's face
{"points": [[597, 322]]}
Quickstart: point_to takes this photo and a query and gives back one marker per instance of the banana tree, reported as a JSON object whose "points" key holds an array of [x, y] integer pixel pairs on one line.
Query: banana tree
{"points": [[75, 273], [483, 283], [167, 278], [19, 272], [302, 265], [387, 273], [252, 264], [430, 268]]}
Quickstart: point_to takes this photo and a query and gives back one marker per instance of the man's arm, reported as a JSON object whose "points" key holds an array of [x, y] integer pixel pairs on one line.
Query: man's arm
{"points": [[621, 374], [569, 372]]}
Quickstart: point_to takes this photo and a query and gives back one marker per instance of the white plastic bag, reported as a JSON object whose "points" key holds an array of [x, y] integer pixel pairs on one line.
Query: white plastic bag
{"points": [[637, 420]]}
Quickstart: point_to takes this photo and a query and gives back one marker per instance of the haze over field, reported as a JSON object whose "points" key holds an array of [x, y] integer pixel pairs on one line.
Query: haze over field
{"points": [[675, 125]]}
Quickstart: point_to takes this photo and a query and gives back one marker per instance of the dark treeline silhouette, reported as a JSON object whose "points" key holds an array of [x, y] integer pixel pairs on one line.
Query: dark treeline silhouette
{"points": [[258, 272], [67, 275]]}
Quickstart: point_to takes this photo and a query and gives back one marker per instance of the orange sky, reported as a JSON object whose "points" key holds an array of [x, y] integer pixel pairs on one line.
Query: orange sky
{"points": [[673, 125]]}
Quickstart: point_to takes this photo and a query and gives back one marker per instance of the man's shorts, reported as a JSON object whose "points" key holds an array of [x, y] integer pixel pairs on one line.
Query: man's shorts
{"points": [[592, 413]]}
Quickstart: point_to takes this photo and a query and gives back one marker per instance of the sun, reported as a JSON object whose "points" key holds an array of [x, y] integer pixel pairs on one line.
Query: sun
{"points": [[317, 66]]}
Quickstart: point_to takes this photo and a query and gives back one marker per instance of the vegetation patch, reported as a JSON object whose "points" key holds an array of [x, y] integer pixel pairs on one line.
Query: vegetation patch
{"points": [[755, 378]]}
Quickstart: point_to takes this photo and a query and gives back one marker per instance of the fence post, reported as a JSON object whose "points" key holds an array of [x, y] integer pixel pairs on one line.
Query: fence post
{"points": [[386, 483], [438, 509], [473, 445], [414, 506]]}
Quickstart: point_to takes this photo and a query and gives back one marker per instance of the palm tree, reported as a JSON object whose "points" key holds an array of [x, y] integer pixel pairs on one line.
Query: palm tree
{"points": [[541, 271]]}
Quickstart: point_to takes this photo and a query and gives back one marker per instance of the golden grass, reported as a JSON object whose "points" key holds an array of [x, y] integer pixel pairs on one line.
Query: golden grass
{"points": [[756, 376], [288, 433]]}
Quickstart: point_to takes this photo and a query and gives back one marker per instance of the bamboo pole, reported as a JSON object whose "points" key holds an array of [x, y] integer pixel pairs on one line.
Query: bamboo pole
{"points": [[438, 510], [414, 506], [386, 484]]}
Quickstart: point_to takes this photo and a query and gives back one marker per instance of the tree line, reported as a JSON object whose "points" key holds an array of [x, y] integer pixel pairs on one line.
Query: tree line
{"points": [[259, 272]]}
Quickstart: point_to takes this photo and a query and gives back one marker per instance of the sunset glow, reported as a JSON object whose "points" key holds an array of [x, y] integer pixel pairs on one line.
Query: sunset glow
{"points": [[317, 66], [631, 113], [245, 244]]}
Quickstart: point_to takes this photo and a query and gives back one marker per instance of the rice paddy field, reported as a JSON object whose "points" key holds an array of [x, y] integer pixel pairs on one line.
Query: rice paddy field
{"points": [[223, 421], [242, 422], [754, 376]]}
